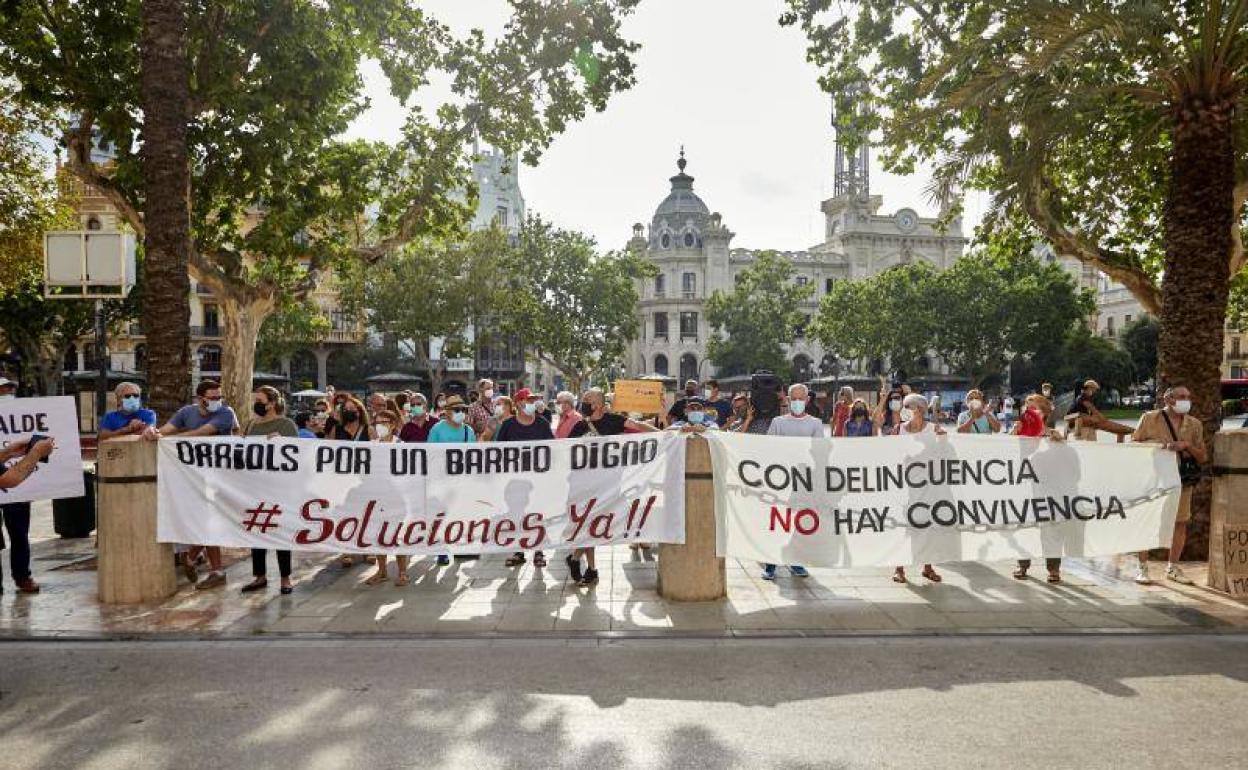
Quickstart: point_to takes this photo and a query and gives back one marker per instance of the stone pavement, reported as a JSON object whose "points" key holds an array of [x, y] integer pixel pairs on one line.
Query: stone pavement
{"points": [[485, 597]]}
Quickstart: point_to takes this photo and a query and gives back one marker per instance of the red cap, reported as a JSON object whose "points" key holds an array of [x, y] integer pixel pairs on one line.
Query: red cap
{"points": [[524, 394]]}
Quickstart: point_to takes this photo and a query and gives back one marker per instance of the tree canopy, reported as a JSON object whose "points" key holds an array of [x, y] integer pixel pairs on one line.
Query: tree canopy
{"points": [[751, 324]]}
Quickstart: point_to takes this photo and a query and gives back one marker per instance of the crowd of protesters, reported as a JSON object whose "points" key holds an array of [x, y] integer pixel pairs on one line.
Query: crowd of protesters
{"points": [[525, 415]]}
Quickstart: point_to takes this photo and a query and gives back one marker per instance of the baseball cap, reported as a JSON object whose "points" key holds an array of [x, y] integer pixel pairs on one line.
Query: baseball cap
{"points": [[524, 394]]}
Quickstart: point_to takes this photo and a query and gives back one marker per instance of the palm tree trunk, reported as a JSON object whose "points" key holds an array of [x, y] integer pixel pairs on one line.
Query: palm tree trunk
{"points": [[165, 86], [1198, 215]]}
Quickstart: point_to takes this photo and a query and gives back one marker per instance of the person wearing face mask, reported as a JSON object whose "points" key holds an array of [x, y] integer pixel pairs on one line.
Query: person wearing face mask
{"points": [[385, 429], [797, 421], [888, 410], [129, 418], [482, 410], [699, 417], [419, 421], [841, 410], [504, 410], [913, 421], [16, 465], [977, 418], [716, 400], [742, 414], [453, 428], [350, 423], [1175, 428], [1031, 424], [208, 416], [524, 425], [859, 423], [568, 416], [269, 420], [677, 412]]}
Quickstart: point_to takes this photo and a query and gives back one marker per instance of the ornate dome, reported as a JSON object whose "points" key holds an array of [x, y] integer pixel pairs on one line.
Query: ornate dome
{"points": [[681, 209]]}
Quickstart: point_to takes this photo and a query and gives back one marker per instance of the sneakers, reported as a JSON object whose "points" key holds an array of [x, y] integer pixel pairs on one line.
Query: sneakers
{"points": [[574, 567], [769, 572], [1173, 573], [214, 580], [1141, 576], [799, 571], [444, 560]]}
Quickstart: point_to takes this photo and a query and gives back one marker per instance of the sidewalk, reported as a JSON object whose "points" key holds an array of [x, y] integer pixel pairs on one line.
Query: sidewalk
{"points": [[485, 597]]}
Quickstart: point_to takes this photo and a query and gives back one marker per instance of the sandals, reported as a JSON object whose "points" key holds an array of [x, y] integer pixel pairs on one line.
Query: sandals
{"points": [[1020, 573], [931, 574], [377, 578], [402, 579]]}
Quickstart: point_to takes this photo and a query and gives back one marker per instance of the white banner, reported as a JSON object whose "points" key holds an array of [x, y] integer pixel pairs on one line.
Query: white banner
{"points": [[901, 500], [61, 475], [340, 496]]}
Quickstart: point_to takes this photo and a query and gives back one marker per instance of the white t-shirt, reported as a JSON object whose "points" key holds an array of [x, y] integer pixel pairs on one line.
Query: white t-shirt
{"points": [[791, 425]]}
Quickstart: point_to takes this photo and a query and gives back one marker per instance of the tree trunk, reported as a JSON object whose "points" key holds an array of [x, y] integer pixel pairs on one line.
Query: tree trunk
{"points": [[1198, 215], [241, 319], [165, 87]]}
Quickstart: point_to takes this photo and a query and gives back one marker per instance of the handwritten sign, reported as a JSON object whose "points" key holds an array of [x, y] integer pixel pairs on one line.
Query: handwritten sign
{"points": [[638, 396]]}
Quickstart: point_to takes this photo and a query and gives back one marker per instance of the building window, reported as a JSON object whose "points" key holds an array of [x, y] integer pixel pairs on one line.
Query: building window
{"points": [[660, 285], [140, 358], [660, 364], [1109, 326], [70, 364], [1235, 347], [210, 358], [688, 368], [828, 283], [689, 326], [689, 285], [1126, 321], [802, 280], [660, 326], [500, 216], [94, 224], [689, 240], [212, 321], [665, 241]]}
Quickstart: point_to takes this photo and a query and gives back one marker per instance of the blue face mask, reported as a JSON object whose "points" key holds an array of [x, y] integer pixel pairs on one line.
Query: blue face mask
{"points": [[130, 403], [417, 410], [797, 406], [530, 409], [696, 418]]}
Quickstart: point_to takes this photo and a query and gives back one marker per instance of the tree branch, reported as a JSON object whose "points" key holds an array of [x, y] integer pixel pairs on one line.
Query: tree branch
{"points": [[1237, 259], [1070, 243], [78, 163]]}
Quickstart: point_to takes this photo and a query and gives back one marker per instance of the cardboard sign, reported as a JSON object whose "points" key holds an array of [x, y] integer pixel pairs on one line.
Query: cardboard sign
{"points": [[639, 396]]}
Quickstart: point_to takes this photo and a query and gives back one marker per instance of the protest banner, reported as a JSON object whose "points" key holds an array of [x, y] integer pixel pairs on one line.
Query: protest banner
{"points": [[61, 475], [347, 497], [637, 397], [901, 500]]}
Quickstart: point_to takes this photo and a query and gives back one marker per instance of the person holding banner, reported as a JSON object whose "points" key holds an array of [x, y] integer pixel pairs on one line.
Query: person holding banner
{"points": [[270, 420], [1036, 409], [17, 515], [888, 408], [798, 424], [420, 422], [1178, 431], [698, 418], [130, 417], [208, 416], [386, 431], [975, 418], [524, 425], [859, 424], [914, 421], [841, 410]]}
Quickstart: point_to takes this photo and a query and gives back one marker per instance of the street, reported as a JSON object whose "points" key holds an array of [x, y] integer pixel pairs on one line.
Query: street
{"points": [[979, 701]]}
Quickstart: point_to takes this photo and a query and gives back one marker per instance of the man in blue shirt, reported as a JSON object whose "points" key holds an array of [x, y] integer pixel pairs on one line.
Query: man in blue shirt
{"points": [[208, 416], [129, 417]]}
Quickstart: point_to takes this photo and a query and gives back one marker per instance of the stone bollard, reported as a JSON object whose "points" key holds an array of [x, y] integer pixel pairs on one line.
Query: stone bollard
{"points": [[1228, 519], [133, 567], [692, 572]]}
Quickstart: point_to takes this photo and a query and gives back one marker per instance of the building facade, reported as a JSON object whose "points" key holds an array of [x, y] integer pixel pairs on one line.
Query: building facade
{"points": [[692, 249]]}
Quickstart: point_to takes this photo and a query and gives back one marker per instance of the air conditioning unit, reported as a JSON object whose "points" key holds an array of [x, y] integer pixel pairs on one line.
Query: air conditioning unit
{"points": [[88, 264]]}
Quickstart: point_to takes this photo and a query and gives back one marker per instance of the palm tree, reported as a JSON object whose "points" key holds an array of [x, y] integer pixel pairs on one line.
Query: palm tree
{"points": [[165, 87]]}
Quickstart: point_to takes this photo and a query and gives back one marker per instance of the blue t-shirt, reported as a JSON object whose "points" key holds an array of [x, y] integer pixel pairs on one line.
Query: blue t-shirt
{"points": [[447, 432], [305, 433], [118, 419], [190, 418]]}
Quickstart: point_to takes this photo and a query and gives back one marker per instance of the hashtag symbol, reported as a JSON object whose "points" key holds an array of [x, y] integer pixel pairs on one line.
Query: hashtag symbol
{"points": [[261, 518]]}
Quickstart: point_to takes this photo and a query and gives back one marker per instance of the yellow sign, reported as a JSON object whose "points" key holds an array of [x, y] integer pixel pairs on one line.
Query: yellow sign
{"points": [[638, 396]]}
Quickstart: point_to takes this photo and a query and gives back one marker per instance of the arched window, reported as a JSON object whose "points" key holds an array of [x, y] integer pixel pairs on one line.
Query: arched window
{"points": [[660, 364], [665, 240], [209, 358], [688, 367], [690, 239]]}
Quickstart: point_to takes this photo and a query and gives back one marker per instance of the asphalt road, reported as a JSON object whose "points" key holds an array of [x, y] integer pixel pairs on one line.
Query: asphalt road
{"points": [[1016, 702]]}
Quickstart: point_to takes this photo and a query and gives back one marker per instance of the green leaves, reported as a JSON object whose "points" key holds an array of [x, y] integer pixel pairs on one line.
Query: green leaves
{"points": [[751, 324]]}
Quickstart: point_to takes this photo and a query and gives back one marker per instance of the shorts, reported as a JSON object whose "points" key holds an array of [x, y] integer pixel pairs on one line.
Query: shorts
{"points": [[1185, 506]]}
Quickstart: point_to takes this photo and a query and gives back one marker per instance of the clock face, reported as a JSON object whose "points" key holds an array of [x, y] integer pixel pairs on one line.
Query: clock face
{"points": [[907, 220]]}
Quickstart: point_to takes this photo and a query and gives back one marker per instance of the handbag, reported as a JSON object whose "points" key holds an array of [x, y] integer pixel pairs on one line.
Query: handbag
{"points": [[1189, 469]]}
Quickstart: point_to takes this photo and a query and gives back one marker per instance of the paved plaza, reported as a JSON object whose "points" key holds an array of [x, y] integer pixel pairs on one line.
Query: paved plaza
{"points": [[486, 597]]}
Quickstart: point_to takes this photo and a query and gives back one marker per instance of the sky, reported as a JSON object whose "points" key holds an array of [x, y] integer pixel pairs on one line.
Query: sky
{"points": [[721, 78]]}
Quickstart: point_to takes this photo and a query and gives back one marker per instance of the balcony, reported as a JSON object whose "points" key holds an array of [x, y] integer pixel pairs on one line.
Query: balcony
{"points": [[688, 295], [210, 332], [1236, 357], [343, 335], [688, 337]]}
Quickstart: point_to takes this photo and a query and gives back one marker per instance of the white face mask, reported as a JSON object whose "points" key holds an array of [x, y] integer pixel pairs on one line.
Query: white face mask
{"points": [[530, 409], [487, 394], [975, 404], [797, 406], [214, 405], [706, 393], [458, 417], [383, 431], [907, 415], [498, 411], [1183, 407], [895, 405]]}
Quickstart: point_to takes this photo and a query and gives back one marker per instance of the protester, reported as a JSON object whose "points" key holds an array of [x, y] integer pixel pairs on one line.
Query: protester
{"points": [[699, 417], [717, 401], [208, 416], [504, 410], [914, 421], [303, 422], [482, 410], [351, 421], [129, 418], [543, 412], [977, 418], [566, 411], [859, 423], [742, 414], [269, 420], [1036, 409], [1086, 419], [419, 421], [796, 423], [385, 430], [525, 426], [453, 428], [677, 412], [18, 461], [889, 408], [598, 422], [1007, 412], [376, 403], [840, 410], [1177, 430]]}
